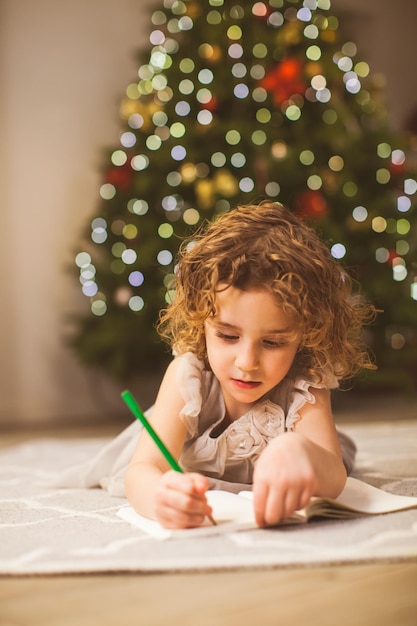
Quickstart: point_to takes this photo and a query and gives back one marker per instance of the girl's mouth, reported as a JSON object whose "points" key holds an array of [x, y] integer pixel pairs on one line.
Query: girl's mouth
{"points": [[245, 384]]}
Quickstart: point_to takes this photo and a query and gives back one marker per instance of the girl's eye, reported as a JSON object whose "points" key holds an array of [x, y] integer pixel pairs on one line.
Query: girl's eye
{"points": [[269, 343], [226, 337]]}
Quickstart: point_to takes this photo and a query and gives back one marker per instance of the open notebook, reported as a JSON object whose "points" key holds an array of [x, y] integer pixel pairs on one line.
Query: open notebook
{"points": [[234, 512]]}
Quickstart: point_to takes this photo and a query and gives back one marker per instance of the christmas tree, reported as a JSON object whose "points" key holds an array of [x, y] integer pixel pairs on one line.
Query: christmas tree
{"points": [[235, 103]]}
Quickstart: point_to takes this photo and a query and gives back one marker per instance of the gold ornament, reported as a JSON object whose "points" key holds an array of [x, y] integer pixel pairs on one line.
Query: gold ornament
{"points": [[146, 110], [331, 181], [128, 107], [217, 54], [290, 34], [204, 190], [209, 52], [225, 183], [329, 36], [193, 9], [188, 172], [313, 69]]}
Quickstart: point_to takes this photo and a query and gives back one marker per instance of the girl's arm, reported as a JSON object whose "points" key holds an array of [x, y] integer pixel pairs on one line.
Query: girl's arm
{"points": [[176, 500], [300, 464]]}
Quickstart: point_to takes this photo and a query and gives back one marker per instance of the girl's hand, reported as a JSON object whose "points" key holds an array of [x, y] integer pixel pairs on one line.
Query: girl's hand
{"points": [[180, 500], [284, 478]]}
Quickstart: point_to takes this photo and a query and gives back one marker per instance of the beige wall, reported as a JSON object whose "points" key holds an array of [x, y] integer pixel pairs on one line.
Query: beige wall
{"points": [[64, 65]]}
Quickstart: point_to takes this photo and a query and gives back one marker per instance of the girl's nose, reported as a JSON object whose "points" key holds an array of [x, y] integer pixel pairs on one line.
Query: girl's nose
{"points": [[247, 358]]}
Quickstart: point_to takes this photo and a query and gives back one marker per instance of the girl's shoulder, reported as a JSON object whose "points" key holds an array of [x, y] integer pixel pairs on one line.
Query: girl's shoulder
{"points": [[188, 364], [189, 373], [292, 394], [194, 383]]}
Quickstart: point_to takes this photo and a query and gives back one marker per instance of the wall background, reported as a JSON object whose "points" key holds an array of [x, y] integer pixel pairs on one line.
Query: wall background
{"points": [[63, 69]]}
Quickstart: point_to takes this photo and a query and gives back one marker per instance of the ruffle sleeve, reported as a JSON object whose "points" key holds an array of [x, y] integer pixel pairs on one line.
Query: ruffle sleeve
{"points": [[300, 397], [302, 394], [189, 380]]}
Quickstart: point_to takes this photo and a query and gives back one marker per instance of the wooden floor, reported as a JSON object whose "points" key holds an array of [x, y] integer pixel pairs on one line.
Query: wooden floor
{"points": [[347, 595], [363, 595]]}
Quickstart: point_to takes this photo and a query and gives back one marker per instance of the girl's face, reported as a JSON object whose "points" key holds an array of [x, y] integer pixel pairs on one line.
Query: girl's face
{"points": [[250, 346]]}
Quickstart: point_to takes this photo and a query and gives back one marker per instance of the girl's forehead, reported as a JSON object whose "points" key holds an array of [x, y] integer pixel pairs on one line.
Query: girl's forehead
{"points": [[254, 304], [225, 292]]}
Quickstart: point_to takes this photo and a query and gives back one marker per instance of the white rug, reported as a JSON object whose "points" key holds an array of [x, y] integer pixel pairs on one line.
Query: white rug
{"points": [[49, 531]]}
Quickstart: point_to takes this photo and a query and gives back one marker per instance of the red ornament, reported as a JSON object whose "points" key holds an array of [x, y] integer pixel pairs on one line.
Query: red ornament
{"points": [[392, 255], [120, 177], [396, 169], [285, 80], [311, 204], [212, 104]]}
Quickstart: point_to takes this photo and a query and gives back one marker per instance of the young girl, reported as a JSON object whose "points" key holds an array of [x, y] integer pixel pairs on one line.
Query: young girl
{"points": [[263, 325]]}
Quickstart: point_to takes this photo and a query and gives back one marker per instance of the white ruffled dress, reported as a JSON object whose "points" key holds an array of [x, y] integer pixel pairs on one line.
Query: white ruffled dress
{"points": [[227, 459]]}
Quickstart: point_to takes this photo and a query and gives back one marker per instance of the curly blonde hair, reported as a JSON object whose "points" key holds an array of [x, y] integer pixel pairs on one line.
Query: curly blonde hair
{"points": [[266, 247]]}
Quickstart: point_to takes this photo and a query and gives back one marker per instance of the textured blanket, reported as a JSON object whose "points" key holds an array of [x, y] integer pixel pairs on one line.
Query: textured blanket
{"points": [[46, 530]]}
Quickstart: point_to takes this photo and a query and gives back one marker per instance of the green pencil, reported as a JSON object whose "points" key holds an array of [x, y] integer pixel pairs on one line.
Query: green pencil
{"points": [[135, 409]]}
